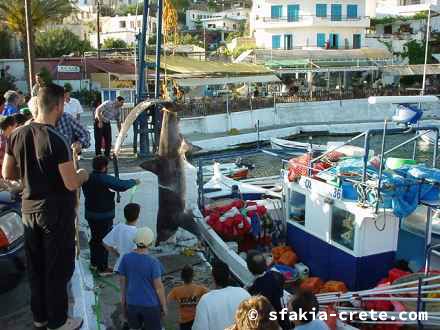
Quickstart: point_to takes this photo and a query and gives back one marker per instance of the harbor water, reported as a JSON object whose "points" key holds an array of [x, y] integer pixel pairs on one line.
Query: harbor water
{"points": [[267, 165]]}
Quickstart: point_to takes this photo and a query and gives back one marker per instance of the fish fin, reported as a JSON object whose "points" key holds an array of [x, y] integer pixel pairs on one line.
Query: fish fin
{"points": [[187, 147], [151, 165], [187, 222]]}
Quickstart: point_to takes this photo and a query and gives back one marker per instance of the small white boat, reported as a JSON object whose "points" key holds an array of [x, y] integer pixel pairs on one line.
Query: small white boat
{"points": [[220, 186], [296, 147], [232, 170]]}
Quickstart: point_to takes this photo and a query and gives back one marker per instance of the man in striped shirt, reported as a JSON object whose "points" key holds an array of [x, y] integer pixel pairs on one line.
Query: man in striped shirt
{"points": [[75, 133], [104, 114]]}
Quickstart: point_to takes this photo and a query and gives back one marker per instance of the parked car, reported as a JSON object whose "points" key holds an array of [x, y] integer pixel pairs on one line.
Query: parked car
{"points": [[11, 231]]}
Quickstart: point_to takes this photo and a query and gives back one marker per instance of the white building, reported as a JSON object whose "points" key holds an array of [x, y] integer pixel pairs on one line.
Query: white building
{"points": [[395, 34], [122, 27], [402, 7], [281, 24], [227, 20]]}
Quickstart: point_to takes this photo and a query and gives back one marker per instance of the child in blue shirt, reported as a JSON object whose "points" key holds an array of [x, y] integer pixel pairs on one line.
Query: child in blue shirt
{"points": [[142, 290]]}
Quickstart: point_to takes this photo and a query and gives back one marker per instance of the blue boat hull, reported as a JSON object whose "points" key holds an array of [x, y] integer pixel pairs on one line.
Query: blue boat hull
{"points": [[331, 263]]}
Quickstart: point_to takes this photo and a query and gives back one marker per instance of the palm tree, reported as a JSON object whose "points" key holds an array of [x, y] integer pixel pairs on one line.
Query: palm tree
{"points": [[12, 13]]}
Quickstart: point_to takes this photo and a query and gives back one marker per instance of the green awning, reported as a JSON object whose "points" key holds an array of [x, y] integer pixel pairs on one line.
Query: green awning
{"points": [[287, 63]]}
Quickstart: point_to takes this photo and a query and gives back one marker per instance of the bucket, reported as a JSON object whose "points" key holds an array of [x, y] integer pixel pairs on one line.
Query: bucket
{"points": [[349, 191]]}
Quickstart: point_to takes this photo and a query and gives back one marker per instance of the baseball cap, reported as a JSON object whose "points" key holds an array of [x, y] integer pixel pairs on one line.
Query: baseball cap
{"points": [[144, 236]]}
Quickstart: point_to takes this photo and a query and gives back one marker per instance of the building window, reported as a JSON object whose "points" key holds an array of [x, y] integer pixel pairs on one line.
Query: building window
{"points": [[122, 24], [321, 10], [343, 228], [132, 25], [276, 11], [336, 12], [356, 41], [276, 42], [334, 40], [293, 13], [320, 40], [352, 11], [288, 41]]}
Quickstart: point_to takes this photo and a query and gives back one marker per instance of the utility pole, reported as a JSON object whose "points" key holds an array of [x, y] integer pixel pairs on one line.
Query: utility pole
{"points": [[29, 42], [98, 28]]}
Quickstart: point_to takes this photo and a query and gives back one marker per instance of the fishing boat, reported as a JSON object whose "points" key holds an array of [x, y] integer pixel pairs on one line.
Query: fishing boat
{"points": [[221, 186], [352, 221], [295, 146], [237, 170]]}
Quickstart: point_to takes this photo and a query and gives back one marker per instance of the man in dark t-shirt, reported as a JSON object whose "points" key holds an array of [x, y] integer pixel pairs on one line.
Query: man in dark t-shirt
{"points": [[40, 157]]}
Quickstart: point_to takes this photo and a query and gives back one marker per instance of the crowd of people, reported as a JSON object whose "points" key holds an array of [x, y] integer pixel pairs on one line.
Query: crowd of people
{"points": [[38, 145]]}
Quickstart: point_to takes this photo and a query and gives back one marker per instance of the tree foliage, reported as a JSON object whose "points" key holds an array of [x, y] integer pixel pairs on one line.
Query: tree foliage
{"points": [[43, 12], [111, 43], [5, 49], [46, 75], [107, 11], [125, 10], [415, 52], [189, 39], [59, 42]]}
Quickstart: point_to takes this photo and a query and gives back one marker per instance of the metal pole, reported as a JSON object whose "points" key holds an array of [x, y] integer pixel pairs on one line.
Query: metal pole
{"points": [[428, 28], [428, 239], [142, 45], [157, 89], [158, 46], [366, 151], [142, 121], [29, 42], [98, 29], [381, 164]]}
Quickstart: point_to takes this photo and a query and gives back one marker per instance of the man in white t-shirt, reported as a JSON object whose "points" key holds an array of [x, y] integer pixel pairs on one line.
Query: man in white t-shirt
{"points": [[72, 105], [216, 309], [120, 239]]}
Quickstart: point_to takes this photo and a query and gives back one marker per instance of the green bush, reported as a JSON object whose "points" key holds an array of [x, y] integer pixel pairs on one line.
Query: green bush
{"points": [[46, 75], [111, 43]]}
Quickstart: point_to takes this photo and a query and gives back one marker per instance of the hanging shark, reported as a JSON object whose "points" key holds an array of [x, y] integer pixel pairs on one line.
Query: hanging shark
{"points": [[168, 165]]}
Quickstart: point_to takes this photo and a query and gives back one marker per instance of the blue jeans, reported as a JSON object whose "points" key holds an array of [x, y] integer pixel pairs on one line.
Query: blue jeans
{"points": [[146, 318]]}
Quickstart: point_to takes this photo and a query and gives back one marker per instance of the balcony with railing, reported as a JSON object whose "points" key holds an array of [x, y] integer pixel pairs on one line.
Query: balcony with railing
{"points": [[312, 20]]}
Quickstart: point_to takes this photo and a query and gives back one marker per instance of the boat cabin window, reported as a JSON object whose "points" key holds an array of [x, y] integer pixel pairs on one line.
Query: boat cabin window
{"points": [[343, 227], [297, 207]]}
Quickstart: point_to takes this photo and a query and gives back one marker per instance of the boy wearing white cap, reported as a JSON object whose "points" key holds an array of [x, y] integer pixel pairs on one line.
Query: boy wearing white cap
{"points": [[142, 290]]}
